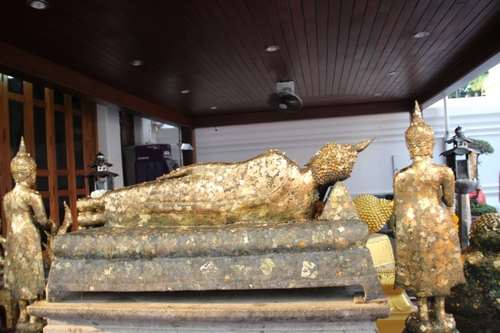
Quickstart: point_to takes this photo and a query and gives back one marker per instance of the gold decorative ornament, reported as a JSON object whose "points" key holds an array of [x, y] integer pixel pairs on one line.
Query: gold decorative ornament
{"points": [[373, 211], [485, 223]]}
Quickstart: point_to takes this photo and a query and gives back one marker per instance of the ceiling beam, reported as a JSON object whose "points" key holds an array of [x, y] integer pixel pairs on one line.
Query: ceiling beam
{"points": [[304, 114], [29, 67]]}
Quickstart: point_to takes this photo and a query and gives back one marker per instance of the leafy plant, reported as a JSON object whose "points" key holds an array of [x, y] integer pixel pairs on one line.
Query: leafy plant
{"points": [[473, 88], [479, 209], [482, 145]]}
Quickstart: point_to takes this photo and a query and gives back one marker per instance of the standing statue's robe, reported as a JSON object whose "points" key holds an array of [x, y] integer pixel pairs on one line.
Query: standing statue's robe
{"points": [[427, 246], [24, 273]]}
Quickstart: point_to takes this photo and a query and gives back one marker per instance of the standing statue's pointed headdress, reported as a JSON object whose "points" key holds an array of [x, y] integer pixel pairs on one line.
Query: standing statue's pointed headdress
{"points": [[419, 136]]}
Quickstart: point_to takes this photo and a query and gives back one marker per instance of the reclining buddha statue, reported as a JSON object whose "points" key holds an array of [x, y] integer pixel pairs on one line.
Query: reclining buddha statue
{"points": [[267, 188]]}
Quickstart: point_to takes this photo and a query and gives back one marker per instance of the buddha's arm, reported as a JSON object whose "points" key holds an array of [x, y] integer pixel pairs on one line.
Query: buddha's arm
{"points": [[36, 204], [448, 185]]}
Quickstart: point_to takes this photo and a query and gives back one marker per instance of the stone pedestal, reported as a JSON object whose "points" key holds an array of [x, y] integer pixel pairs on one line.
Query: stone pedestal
{"points": [[306, 254], [259, 311]]}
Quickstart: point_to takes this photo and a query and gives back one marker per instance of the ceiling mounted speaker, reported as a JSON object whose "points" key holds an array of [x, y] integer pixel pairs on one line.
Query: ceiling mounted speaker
{"points": [[284, 98]]}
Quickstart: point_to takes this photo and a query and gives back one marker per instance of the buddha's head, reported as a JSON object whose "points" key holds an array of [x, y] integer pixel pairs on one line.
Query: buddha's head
{"points": [[334, 162], [419, 136], [23, 167]]}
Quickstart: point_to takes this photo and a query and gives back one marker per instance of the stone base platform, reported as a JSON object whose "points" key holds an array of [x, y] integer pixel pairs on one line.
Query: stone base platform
{"points": [[297, 255], [259, 311]]}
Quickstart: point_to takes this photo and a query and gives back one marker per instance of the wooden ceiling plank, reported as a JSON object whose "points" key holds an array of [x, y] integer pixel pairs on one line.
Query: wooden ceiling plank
{"points": [[382, 13], [159, 79], [485, 51], [409, 62], [278, 18], [422, 20], [255, 72], [263, 77], [290, 53], [175, 46], [126, 72], [443, 44], [250, 36], [344, 31], [383, 42], [333, 35], [223, 52], [202, 47], [368, 12], [311, 33], [233, 16], [392, 44], [299, 32], [268, 36], [409, 27], [322, 45], [474, 15], [357, 18]]}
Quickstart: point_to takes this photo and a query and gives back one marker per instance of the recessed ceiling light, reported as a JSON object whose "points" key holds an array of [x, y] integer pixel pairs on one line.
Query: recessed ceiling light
{"points": [[421, 34], [38, 4], [272, 48], [213, 107], [137, 63], [377, 94], [185, 91], [393, 73]]}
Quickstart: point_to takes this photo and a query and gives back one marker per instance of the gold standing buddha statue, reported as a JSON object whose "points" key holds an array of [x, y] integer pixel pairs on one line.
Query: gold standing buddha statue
{"points": [[427, 246], [24, 267]]}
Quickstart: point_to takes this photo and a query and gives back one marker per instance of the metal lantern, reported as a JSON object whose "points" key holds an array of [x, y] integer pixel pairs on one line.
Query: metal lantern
{"points": [[101, 179], [462, 159]]}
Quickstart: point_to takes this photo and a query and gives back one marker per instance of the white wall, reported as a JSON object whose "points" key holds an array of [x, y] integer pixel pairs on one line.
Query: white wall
{"points": [[108, 132], [373, 172], [170, 136]]}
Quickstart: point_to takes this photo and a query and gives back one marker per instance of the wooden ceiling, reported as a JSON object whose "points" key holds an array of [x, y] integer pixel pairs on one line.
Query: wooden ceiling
{"points": [[346, 57]]}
